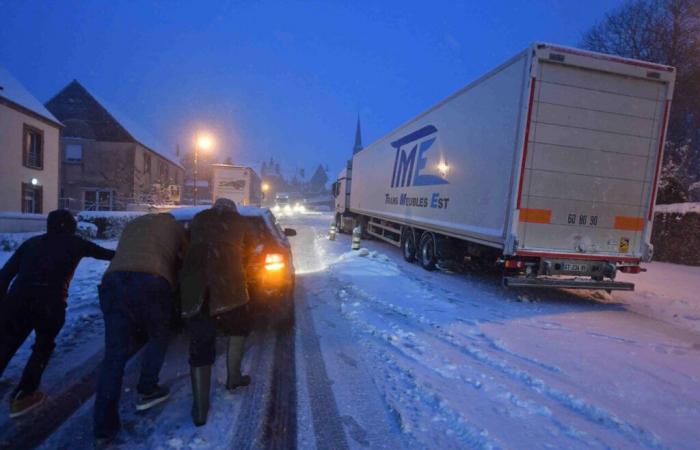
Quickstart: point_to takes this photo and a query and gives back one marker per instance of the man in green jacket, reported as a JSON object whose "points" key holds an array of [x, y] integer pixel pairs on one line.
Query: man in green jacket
{"points": [[214, 296], [137, 294]]}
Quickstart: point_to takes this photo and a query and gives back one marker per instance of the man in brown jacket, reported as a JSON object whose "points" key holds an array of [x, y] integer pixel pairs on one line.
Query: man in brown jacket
{"points": [[137, 294], [214, 295]]}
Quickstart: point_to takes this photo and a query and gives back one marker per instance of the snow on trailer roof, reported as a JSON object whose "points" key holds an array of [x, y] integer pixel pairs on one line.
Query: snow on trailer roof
{"points": [[188, 213], [13, 91]]}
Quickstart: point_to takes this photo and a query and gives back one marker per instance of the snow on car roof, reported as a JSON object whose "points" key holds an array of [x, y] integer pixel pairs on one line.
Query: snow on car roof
{"points": [[188, 213], [12, 90]]}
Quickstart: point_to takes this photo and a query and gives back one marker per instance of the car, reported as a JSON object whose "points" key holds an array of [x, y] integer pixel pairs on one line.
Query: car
{"points": [[271, 278]]}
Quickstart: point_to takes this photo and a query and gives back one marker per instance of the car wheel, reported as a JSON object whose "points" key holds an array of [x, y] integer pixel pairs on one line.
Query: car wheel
{"points": [[428, 258], [409, 246]]}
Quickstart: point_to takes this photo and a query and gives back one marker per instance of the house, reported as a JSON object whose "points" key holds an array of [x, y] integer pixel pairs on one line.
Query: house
{"points": [[107, 161], [29, 156]]}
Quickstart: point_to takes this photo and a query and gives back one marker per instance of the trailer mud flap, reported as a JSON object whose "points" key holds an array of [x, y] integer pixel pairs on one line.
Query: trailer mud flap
{"points": [[567, 283]]}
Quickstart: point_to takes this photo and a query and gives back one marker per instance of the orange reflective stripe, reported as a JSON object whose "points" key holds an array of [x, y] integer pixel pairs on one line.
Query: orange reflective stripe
{"points": [[536, 215], [629, 223]]}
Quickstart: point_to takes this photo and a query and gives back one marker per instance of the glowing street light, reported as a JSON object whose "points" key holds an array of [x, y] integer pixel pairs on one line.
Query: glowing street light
{"points": [[203, 142], [265, 187]]}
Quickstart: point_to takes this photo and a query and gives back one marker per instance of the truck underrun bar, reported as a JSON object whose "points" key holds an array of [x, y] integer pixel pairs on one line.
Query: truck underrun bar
{"points": [[621, 259], [567, 284]]}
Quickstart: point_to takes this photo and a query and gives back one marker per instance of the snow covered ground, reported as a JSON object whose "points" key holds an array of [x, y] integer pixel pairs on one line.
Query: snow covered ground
{"points": [[435, 360], [390, 356]]}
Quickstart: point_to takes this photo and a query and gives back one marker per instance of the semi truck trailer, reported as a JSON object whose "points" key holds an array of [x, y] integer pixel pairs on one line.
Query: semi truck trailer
{"points": [[238, 183], [547, 166]]}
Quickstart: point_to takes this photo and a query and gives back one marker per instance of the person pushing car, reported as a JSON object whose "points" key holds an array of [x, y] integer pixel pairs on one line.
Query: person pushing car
{"points": [[137, 294], [42, 269], [214, 296]]}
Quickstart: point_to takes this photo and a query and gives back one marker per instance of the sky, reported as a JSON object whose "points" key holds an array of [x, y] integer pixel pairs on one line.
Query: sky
{"points": [[284, 79]]}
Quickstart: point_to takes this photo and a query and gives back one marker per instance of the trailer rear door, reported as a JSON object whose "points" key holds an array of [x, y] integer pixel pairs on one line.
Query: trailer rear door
{"points": [[591, 160]]}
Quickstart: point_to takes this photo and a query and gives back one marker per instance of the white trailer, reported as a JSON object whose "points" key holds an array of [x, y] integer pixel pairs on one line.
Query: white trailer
{"points": [[238, 183], [547, 165]]}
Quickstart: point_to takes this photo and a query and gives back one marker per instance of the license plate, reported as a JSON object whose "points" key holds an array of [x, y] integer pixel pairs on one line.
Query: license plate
{"points": [[572, 267]]}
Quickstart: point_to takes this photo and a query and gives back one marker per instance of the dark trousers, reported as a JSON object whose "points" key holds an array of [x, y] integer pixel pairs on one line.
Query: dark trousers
{"points": [[21, 312], [131, 302], [203, 328]]}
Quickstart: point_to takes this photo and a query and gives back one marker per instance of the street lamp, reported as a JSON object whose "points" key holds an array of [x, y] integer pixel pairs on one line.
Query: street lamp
{"points": [[265, 188], [202, 142]]}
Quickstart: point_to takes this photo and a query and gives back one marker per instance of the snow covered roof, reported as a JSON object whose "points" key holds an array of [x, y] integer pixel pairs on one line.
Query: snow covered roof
{"points": [[13, 91], [140, 134], [88, 116], [678, 208]]}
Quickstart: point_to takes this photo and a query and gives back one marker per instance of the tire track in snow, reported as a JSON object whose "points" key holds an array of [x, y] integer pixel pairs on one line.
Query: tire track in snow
{"points": [[473, 435], [590, 412]]}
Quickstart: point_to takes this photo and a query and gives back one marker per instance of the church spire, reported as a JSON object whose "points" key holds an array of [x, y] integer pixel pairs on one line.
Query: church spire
{"points": [[358, 137]]}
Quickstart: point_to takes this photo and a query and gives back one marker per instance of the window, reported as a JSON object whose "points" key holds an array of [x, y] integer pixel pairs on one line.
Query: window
{"points": [[98, 200], [74, 153], [31, 198], [33, 148], [147, 163], [63, 202]]}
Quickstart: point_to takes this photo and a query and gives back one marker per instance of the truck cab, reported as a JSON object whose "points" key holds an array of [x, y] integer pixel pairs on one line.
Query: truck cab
{"points": [[341, 194]]}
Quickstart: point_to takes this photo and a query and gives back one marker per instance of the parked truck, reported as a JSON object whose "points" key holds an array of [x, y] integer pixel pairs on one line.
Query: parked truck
{"points": [[546, 166], [238, 183]]}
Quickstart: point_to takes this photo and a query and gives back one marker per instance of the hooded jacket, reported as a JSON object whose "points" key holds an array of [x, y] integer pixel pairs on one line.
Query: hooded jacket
{"points": [[214, 266], [45, 264], [152, 243]]}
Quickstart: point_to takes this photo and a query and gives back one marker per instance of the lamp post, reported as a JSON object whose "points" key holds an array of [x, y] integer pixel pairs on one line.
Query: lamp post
{"points": [[203, 142], [265, 189]]}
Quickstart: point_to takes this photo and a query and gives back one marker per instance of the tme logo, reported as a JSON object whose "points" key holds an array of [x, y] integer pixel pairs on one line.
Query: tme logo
{"points": [[408, 164]]}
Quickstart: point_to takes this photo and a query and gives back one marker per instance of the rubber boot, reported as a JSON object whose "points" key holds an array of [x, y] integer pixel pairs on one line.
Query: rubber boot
{"points": [[234, 356], [201, 384]]}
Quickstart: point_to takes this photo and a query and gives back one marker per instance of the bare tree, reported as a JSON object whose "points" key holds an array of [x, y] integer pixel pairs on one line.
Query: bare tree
{"points": [[668, 32]]}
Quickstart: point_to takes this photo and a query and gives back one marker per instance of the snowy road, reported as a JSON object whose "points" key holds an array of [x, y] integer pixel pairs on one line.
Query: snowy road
{"points": [[435, 360], [386, 355]]}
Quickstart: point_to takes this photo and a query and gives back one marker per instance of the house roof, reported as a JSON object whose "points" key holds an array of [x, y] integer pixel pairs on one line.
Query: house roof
{"points": [[13, 91], [87, 116]]}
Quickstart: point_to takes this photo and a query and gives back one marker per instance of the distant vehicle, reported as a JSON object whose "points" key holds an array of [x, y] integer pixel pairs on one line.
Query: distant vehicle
{"points": [[548, 165], [271, 276], [238, 183], [282, 203]]}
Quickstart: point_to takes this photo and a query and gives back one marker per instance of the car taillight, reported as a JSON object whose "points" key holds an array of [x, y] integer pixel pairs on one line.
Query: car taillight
{"points": [[274, 261]]}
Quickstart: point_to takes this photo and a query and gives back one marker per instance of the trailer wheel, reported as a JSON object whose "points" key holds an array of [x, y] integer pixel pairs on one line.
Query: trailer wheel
{"points": [[409, 245], [428, 258]]}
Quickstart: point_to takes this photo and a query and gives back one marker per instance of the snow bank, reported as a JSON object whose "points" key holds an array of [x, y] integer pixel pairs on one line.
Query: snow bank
{"points": [[10, 241], [87, 229], [676, 233], [109, 224], [678, 208]]}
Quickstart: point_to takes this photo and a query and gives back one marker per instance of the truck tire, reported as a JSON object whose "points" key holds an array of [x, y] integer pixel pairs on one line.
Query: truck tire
{"points": [[408, 245], [427, 256]]}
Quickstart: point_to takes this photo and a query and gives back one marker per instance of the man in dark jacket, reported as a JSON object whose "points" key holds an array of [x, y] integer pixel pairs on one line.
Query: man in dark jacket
{"points": [[214, 295], [42, 269], [137, 294]]}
